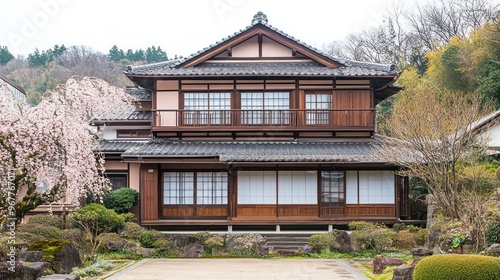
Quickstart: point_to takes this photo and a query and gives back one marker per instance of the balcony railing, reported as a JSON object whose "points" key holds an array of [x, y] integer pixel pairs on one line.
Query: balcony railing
{"points": [[267, 118]]}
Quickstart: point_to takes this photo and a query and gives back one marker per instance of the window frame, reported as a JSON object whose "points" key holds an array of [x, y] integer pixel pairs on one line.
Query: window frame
{"points": [[195, 194]]}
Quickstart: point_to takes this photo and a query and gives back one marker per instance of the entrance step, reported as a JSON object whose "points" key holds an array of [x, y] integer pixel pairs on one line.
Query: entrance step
{"points": [[287, 241]]}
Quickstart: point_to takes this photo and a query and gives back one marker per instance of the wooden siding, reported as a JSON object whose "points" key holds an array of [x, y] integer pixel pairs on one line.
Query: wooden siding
{"points": [[149, 192], [371, 209]]}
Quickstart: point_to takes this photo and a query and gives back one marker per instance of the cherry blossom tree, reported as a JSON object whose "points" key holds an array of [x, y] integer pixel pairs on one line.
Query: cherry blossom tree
{"points": [[49, 153]]}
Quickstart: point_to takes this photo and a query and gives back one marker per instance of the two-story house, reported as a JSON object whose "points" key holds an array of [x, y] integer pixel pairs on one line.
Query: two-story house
{"points": [[262, 130]]}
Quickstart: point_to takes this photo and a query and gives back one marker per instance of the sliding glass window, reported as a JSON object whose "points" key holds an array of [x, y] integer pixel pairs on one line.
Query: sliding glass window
{"points": [[207, 108], [265, 108]]}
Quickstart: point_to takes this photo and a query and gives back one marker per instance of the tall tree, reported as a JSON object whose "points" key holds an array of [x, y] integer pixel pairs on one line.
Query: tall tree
{"points": [[48, 151], [116, 54], [433, 128], [5, 55]]}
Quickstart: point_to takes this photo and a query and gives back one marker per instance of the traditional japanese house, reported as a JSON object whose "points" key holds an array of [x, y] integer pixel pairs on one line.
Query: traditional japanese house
{"points": [[259, 129]]}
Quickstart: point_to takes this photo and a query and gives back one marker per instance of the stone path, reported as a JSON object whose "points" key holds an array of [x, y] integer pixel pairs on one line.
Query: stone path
{"points": [[239, 269]]}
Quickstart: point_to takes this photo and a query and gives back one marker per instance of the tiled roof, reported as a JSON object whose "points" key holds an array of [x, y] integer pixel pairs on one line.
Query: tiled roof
{"points": [[141, 94], [265, 69], [349, 150], [140, 116], [117, 146], [347, 67]]}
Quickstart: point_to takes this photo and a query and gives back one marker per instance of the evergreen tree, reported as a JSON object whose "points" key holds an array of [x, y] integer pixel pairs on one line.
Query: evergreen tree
{"points": [[116, 54], [5, 55]]}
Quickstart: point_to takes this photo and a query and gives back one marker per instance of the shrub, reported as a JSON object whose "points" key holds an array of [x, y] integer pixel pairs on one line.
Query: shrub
{"points": [[202, 236], [46, 219], [493, 232], [215, 241], [322, 241], [458, 267], [149, 237], [405, 239], [77, 236], [96, 269], [372, 236], [132, 230], [244, 244], [98, 219], [121, 199], [40, 231]]}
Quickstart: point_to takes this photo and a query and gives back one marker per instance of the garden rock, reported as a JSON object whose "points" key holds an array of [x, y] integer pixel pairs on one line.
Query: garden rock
{"points": [[403, 273], [420, 253], [437, 250], [141, 251], [22, 271], [130, 246], [380, 263], [193, 251], [262, 250], [67, 258], [343, 241], [30, 256], [493, 250], [61, 277]]}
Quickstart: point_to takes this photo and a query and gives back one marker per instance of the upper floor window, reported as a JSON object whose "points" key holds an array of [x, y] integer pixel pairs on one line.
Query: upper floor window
{"points": [[318, 108], [202, 108], [265, 108]]}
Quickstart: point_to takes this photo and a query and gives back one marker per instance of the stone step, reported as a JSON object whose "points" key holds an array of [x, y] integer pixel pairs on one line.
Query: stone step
{"points": [[287, 241]]}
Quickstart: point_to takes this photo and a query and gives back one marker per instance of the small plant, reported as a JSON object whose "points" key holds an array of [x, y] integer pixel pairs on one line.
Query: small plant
{"points": [[493, 231], [202, 236], [149, 237], [372, 236], [96, 269], [121, 199], [405, 239], [322, 241], [214, 243]]}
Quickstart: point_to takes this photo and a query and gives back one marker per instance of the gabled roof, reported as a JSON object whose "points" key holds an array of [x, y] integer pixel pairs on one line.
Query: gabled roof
{"points": [[344, 151], [486, 121], [322, 65]]}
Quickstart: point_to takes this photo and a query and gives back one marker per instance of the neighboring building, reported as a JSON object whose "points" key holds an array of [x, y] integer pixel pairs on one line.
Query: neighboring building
{"points": [[16, 89], [489, 127], [257, 130]]}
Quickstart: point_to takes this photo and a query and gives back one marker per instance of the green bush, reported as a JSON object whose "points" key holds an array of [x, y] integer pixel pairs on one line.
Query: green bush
{"points": [[121, 199], [493, 232], [77, 236], [202, 236], [458, 267], [42, 232], [322, 241], [46, 219], [132, 230], [372, 236], [97, 219], [148, 238]]}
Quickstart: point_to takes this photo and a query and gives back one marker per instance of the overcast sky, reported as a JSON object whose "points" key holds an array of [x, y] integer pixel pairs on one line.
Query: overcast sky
{"points": [[180, 27]]}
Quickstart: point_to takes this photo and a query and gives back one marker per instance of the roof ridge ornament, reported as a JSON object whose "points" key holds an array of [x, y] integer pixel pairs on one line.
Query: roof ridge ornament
{"points": [[259, 17]]}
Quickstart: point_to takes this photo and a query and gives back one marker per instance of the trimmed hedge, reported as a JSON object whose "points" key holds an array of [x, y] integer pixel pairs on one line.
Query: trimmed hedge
{"points": [[457, 267]]}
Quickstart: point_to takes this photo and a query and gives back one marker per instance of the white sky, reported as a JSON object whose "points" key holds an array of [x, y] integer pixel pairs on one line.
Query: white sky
{"points": [[179, 27]]}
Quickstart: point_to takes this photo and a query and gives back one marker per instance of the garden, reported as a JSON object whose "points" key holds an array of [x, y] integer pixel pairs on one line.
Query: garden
{"points": [[98, 240]]}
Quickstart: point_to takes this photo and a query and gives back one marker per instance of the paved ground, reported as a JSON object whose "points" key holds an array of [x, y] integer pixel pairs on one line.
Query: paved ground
{"points": [[239, 269]]}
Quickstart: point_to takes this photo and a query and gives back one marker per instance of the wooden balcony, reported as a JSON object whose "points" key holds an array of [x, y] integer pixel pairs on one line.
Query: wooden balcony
{"points": [[326, 120]]}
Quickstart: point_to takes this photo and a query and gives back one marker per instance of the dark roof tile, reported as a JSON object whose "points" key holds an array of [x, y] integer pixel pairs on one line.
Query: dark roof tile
{"points": [[357, 150]]}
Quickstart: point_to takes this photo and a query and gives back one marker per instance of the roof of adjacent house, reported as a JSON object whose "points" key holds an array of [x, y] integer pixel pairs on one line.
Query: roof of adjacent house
{"points": [[345, 67], [347, 151], [141, 94], [117, 146]]}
